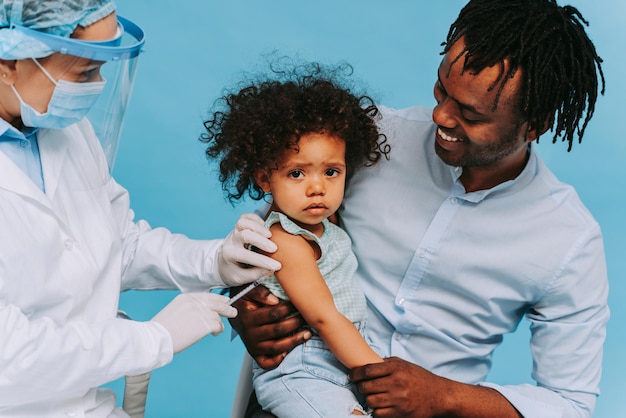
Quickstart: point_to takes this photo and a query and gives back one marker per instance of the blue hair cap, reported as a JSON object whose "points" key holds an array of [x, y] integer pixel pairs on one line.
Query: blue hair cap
{"points": [[54, 17]]}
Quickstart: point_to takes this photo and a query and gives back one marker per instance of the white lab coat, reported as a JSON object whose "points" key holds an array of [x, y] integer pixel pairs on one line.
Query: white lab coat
{"points": [[64, 257]]}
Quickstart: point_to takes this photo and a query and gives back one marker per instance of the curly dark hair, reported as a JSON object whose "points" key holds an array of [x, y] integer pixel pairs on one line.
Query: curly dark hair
{"points": [[548, 43], [256, 124]]}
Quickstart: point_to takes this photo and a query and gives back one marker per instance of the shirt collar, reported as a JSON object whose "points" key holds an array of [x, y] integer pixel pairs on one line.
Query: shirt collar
{"points": [[9, 132], [509, 186]]}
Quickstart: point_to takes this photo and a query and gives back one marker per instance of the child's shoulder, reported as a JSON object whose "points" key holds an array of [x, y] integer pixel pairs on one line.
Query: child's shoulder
{"points": [[281, 234], [278, 230], [292, 248], [280, 221], [288, 234]]}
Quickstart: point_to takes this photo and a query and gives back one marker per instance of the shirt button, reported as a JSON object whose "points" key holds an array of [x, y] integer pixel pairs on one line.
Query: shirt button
{"points": [[70, 413], [69, 244], [398, 337], [23, 143], [401, 302], [453, 200]]}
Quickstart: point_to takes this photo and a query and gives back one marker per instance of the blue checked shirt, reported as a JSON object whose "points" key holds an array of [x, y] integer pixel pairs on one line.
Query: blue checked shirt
{"points": [[337, 265]]}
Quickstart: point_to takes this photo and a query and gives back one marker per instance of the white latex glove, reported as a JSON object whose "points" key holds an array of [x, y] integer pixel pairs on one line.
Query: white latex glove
{"points": [[192, 316], [237, 264]]}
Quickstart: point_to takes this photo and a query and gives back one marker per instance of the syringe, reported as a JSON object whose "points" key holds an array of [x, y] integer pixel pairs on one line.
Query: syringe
{"points": [[243, 292], [249, 288]]}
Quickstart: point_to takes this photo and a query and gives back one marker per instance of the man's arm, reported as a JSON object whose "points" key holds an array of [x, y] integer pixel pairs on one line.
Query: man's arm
{"points": [[268, 328], [397, 388]]}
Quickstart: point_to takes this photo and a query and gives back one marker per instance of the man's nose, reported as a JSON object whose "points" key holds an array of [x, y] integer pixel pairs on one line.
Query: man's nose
{"points": [[445, 113]]}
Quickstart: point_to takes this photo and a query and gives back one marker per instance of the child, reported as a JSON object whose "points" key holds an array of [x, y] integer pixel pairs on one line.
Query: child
{"points": [[298, 140]]}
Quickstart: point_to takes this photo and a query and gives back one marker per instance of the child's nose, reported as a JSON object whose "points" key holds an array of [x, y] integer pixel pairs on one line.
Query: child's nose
{"points": [[316, 187]]}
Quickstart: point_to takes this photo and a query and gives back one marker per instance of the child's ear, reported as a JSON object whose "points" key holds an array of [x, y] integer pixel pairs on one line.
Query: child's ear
{"points": [[263, 181]]}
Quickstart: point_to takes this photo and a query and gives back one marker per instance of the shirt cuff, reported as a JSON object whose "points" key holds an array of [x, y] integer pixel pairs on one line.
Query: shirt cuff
{"points": [[531, 401]]}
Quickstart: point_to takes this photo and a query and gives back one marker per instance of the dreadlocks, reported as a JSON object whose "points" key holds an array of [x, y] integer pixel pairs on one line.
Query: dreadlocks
{"points": [[548, 43]]}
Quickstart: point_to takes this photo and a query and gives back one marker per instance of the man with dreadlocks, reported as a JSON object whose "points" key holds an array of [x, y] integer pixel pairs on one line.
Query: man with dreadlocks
{"points": [[465, 231]]}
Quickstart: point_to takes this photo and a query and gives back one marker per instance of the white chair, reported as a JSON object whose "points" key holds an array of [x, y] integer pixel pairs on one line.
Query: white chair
{"points": [[135, 395], [244, 388], [135, 388]]}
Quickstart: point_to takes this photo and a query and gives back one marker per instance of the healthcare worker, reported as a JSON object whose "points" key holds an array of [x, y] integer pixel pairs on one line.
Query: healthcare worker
{"points": [[68, 240]]}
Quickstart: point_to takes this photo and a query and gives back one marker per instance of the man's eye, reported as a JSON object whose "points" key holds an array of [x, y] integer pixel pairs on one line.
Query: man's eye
{"points": [[471, 120], [440, 88]]}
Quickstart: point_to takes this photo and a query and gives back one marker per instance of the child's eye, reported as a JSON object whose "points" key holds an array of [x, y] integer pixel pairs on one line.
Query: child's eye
{"points": [[331, 172], [296, 174]]}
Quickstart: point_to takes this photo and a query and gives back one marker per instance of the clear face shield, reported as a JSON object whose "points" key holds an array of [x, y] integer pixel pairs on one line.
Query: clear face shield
{"points": [[89, 62]]}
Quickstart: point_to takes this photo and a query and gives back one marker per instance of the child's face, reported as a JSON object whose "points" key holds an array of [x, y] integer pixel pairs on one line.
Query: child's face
{"points": [[309, 183]]}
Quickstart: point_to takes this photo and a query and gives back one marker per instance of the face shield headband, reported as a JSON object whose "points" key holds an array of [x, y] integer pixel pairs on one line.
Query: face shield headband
{"points": [[111, 50], [120, 55]]}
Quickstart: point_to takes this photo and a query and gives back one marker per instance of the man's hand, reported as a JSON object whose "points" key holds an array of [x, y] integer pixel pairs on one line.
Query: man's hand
{"points": [[268, 327], [399, 389], [396, 388]]}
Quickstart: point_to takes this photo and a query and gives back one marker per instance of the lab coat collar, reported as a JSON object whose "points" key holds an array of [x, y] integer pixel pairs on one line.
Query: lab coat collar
{"points": [[12, 178], [53, 144], [53, 149]]}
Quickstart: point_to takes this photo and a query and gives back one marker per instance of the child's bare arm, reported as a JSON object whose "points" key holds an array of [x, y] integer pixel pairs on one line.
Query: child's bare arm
{"points": [[307, 290]]}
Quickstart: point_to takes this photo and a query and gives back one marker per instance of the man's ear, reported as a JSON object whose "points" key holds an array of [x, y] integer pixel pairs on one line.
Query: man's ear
{"points": [[7, 71], [263, 180], [532, 133]]}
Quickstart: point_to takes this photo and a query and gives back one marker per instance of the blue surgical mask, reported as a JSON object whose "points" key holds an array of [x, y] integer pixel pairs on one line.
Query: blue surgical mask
{"points": [[69, 103]]}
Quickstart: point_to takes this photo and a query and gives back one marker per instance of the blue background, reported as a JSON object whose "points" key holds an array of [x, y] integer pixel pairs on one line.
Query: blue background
{"points": [[195, 48]]}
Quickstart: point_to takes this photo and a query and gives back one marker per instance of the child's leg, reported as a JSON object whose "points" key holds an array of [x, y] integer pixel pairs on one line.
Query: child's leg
{"points": [[310, 382], [314, 398]]}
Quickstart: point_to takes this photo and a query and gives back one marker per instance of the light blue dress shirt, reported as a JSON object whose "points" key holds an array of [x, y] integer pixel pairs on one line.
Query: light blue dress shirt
{"points": [[23, 150], [447, 273]]}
